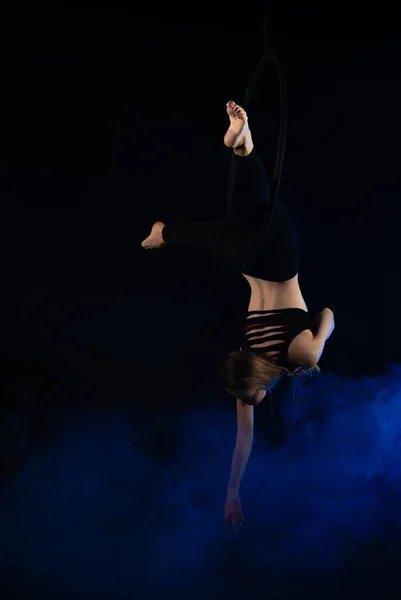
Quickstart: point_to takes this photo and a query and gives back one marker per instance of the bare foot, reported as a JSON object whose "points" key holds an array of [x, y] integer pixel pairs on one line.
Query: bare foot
{"points": [[238, 136], [155, 239]]}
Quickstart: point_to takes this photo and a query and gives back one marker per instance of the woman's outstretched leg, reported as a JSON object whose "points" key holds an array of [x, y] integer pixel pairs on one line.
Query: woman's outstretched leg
{"points": [[223, 240], [227, 241]]}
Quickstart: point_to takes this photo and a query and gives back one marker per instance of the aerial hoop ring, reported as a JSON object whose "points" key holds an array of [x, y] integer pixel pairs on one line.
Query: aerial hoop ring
{"points": [[267, 58]]}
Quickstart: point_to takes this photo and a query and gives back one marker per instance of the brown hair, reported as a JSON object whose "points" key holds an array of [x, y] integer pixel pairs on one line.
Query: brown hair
{"points": [[245, 373]]}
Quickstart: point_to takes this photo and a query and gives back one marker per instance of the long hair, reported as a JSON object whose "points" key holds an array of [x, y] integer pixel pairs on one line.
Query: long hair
{"points": [[245, 373]]}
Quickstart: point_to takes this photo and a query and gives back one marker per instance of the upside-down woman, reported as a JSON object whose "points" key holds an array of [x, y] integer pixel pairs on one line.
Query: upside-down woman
{"points": [[279, 335]]}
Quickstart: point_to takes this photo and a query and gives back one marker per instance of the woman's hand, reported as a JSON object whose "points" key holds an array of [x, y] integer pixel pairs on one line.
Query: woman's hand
{"points": [[329, 312], [232, 512]]}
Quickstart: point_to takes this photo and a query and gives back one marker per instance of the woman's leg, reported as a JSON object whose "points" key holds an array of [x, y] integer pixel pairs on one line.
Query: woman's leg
{"points": [[251, 181], [252, 184], [221, 239], [227, 241]]}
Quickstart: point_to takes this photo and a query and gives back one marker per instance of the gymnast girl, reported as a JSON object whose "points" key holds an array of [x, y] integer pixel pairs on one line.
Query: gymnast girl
{"points": [[279, 335]]}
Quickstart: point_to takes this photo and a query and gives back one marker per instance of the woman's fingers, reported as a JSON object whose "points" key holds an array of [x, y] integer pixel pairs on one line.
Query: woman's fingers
{"points": [[236, 519]]}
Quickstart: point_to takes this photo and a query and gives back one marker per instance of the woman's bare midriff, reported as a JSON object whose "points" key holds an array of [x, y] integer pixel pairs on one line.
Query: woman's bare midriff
{"points": [[270, 295]]}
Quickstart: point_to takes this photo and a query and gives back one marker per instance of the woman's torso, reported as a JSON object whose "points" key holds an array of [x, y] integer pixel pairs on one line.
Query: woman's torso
{"points": [[276, 296], [270, 295]]}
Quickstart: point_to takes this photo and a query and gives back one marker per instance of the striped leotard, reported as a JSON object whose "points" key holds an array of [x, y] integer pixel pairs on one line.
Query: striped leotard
{"points": [[272, 331]]}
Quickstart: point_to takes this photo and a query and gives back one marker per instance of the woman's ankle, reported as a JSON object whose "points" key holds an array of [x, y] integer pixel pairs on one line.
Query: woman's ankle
{"points": [[246, 148]]}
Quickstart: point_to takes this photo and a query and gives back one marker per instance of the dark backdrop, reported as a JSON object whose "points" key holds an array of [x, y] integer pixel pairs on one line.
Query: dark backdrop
{"points": [[112, 120]]}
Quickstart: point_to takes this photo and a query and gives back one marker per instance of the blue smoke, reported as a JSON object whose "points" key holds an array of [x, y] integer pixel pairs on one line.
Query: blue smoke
{"points": [[90, 515]]}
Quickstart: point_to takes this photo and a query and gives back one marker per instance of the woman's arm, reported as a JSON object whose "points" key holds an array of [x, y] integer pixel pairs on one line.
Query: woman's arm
{"points": [[308, 347], [324, 324], [243, 447]]}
